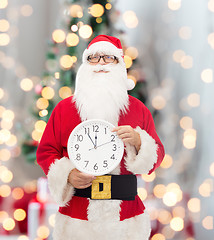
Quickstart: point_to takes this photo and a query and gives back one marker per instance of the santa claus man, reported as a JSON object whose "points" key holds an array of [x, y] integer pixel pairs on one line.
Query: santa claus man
{"points": [[101, 93]]}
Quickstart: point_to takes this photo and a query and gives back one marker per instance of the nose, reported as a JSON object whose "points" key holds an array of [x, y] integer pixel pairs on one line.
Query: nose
{"points": [[102, 61]]}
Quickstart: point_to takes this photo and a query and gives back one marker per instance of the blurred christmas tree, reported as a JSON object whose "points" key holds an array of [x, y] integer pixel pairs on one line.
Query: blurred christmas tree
{"points": [[79, 25]]}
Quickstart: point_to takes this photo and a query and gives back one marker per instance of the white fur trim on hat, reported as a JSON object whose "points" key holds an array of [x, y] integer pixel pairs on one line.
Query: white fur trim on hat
{"points": [[60, 189], [103, 47], [144, 161]]}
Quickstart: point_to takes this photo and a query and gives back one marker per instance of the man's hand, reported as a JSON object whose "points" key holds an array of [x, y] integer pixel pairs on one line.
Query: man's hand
{"points": [[79, 179], [128, 135]]}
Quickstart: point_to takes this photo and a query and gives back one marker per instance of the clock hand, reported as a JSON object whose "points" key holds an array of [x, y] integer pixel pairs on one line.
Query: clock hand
{"points": [[100, 145], [95, 140], [91, 140]]}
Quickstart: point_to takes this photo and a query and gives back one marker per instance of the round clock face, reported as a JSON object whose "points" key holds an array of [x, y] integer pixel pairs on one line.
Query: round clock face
{"points": [[94, 148]]}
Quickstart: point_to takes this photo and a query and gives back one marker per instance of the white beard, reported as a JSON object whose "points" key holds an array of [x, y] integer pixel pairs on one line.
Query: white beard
{"points": [[101, 95]]}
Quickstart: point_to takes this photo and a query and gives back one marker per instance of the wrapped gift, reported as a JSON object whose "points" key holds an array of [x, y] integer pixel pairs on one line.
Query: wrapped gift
{"points": [[41, 213]]}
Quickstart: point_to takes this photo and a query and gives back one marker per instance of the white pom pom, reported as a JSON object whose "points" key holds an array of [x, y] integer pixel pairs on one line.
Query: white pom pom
{"points": [[130, 84]]}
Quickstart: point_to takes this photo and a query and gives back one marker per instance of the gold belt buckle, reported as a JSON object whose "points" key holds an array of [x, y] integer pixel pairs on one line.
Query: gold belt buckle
{"points": [[105, 193]]}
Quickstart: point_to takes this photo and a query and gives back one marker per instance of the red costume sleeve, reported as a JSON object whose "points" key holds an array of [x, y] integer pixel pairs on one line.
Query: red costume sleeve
{"points": [[50, 147], [149, 127]]}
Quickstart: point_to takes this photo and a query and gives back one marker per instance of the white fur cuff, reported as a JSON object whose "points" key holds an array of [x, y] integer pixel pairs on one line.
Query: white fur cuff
{"points": [[60, 189], [144, 161]]}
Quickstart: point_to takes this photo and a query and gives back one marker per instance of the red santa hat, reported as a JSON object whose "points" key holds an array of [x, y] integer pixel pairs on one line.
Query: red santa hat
{"points": [[107, 45]]}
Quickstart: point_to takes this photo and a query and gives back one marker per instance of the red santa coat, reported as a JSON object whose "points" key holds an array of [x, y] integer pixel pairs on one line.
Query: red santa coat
{"points": [[52, 156]]}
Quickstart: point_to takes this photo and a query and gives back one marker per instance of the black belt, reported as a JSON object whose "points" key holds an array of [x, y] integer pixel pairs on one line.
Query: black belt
{"points": [[121, 187]]}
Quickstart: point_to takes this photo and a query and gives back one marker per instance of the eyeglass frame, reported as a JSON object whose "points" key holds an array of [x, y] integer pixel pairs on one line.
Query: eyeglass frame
{"points": [[103, 57]]}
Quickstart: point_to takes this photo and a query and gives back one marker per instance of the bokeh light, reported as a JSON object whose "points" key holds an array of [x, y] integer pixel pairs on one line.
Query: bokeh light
{"points": [[5, 154], [194, 205], [174, 4], [76, 11], [96, 10], [43, 113], [51, 220], [189, 138], [158, 102], [26, 10], [130, 19], [132, 52], [19, 214], [210, 40], [48, 92], [4, 135], [212, 169], [43, 232], [186, 122], [66, 61], [22, 237], [85, 31], [42, 103], [40, 125], [128, 61], [4, 25], [1, 93], [26, 84], [108, 6], [6, 176], [3, 215], [17, 193], [58, 36], [159, 190], [3, 4], [169, 199], [8, 224], [193, 99], [185, 32], [207, 222], [65, 92], [74, 28], [211, 5], [148, 178], [179, 211], [164, 216], [72, 39], [167, 161], [177, 224], [99, 20], [12, 141], [158, 236], [4, 39], [142, 193], [206, 188], [187, 62], [36, 135], [207, 75]]}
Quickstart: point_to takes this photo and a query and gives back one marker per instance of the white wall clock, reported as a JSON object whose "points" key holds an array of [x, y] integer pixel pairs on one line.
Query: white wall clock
{"points": [[94, 148]]}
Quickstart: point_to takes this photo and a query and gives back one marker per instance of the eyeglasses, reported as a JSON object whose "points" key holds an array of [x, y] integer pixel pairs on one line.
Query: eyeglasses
{"points": [[106, 58]]}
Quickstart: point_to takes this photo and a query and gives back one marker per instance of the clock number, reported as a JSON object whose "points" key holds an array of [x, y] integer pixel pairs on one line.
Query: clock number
{"points": [[113, 138], [77, 146], [87, 130], [114, 147], [105, 163], [95, 167], [105, 130], [113, 157], [86, 163], [78, 157], [95, 128], [79, 138]]}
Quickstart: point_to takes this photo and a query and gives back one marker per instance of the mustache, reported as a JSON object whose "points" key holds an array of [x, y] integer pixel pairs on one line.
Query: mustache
{"points": [[99, 67]]}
